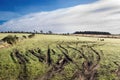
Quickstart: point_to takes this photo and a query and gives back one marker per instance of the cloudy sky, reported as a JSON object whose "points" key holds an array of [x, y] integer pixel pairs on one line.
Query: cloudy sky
{"points": [[60, 15]]}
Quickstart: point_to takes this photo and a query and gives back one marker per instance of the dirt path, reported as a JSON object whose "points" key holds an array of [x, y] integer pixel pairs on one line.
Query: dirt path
{"points": [[4, 45]]}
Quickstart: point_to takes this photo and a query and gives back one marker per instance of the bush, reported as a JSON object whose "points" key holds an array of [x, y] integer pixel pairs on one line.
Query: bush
{"points": [[10, 39], [31, 35], [24, 36]]}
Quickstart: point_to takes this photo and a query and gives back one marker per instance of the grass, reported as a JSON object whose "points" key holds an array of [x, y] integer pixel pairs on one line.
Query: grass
{"points": [[10, 70]]}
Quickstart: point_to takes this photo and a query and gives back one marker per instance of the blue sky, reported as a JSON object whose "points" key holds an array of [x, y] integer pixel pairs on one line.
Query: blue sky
{"points": [[38, 5], [10, 9]]}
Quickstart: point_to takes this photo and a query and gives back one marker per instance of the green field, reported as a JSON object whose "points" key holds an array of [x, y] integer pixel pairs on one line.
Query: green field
{"points": [[109, 51]]}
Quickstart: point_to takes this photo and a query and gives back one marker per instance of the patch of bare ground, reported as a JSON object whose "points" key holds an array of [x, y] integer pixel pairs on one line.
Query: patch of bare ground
{"points": [[4, 45]]}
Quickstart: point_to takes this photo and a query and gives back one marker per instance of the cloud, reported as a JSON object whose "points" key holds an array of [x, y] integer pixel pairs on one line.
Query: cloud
{"points": [[102, 15]]}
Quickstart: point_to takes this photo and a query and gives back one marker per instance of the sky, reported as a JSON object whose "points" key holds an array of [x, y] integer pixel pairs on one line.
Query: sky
{"points": [[10, 9], [60, 15]]}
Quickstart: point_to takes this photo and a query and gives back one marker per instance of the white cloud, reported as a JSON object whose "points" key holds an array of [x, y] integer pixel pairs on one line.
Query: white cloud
{"points": [[103, 15]]}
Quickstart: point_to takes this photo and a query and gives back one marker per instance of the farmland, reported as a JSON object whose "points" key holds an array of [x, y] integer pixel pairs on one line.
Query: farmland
{"points": [[37, 58]]}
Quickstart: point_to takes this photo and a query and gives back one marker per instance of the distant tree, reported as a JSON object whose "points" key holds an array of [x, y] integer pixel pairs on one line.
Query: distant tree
{"points": [[41, 31], [68, 33], [49, 32], [34, 31]]}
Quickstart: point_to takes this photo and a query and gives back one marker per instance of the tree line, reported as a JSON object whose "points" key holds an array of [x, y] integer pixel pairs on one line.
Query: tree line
{"points": [[92, 32], [29, 32], [35, 32], [50, 32]]}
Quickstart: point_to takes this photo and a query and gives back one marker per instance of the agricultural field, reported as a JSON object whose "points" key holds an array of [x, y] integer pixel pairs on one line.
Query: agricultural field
{"points": [[59, 57]]}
